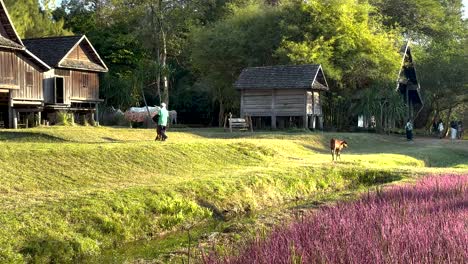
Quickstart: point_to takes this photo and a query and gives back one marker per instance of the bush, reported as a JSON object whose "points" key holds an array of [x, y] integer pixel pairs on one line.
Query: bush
{"points": [[64, 118]]}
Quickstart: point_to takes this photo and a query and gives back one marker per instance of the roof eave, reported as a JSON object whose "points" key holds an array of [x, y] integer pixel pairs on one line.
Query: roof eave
{"points": [[11, 24], [13, 48], [79, 68], [44, 65], [94, 50]]}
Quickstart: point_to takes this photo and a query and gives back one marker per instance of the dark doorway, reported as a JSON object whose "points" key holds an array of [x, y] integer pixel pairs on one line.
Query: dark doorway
{"points": [[59, 91]]}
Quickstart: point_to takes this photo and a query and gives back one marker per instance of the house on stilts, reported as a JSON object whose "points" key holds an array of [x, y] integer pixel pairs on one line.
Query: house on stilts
{"points": [[283, 96], [39, 77], [72, 84], [21, 78]]}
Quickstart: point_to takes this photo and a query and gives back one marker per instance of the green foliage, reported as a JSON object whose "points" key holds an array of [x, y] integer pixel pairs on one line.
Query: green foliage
{"points": [[65, 118], [32, 21], [179, 50], [421, 18], [221, 50], [351, 44]]}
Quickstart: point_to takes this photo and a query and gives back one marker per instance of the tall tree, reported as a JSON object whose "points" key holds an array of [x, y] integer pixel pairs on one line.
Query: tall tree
{"points": [[31, 20], [248, 36], [352, 46]]}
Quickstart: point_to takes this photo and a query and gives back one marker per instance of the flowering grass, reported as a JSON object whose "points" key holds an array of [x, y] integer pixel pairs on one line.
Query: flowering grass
{"points": [[422, 223]]}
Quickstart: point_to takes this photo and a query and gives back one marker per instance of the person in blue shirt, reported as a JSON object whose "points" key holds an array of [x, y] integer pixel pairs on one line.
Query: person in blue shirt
{"points": [[162, 121]]}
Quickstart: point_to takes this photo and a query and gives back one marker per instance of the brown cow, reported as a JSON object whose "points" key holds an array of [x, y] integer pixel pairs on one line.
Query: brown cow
{"points": [[336, 146]]}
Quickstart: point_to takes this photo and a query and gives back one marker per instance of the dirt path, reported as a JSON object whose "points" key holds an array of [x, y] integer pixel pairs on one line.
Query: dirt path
{"points": [[435, 141]]}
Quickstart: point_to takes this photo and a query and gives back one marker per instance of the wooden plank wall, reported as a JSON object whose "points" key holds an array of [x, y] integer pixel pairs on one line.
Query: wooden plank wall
{"points": [[14, 69], [80, 54], [257, 102], [287, 102], [27, 91], [8, 68], [85, 85], [290, 102]]}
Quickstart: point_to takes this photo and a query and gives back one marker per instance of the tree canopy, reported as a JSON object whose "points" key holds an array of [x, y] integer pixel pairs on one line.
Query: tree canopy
{"points": [[189, 53]]}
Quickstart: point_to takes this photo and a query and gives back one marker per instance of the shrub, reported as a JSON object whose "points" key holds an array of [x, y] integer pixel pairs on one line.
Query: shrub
{"points": [[64, 118]]}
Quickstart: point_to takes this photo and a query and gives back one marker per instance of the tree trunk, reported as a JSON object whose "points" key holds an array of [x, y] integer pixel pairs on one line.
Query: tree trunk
{"points": [[165, 79], [156, 52], [447, 122], [221, 113], [165, 91]]}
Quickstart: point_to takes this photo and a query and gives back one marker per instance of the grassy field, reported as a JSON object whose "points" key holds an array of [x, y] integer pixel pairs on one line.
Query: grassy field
{"points": [[69, 192]]}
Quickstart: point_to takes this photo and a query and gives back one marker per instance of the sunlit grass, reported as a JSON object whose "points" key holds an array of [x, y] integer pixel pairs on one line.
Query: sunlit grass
{"points": [[70, 191]]}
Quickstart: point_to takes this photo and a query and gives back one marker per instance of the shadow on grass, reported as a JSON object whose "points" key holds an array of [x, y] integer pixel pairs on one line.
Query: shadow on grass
{"points": [[14, 136], [108, 139]]}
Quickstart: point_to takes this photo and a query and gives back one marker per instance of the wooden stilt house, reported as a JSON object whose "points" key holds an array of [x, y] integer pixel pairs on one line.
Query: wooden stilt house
{"points": [[408, 84], [72, 84], [283, 96], [21, 75]]}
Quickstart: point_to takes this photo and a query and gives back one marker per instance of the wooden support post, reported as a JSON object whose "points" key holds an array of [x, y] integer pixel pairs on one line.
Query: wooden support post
{"points": [[27, 121], [242, 112], [314, 125], [407, 104], [273, 109], [10, 117], [39, 118], [10, 111], [15, 118], [97, 115], [306, 116]]}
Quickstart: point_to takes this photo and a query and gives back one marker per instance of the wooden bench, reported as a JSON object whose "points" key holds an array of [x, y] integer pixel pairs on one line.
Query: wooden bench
{"points": [[242, 124]]}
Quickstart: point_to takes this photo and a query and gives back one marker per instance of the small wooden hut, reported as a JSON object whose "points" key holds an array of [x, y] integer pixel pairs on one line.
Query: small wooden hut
{"points": [[21, 75], [408, 84], [280, 95], [72, 84]]}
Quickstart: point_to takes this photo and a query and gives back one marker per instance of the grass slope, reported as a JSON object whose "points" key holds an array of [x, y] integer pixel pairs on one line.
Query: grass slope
{"points": [[67, 193]]}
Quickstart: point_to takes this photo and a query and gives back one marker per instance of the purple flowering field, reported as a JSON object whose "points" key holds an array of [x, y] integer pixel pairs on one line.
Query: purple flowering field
{"points": [[422, 223]]}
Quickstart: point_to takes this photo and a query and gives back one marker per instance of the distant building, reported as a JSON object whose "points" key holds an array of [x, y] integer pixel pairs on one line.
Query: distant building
{"points": [[408, 84], [283, 96]]}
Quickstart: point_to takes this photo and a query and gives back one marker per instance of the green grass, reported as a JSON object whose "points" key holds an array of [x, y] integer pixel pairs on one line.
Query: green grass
{"points": [[69, 192]]}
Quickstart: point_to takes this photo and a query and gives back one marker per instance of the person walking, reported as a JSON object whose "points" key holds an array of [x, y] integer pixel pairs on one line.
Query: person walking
{"points": [[409, 130], [441, 129], [460, 130], [162, 122], [453, 130]]}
